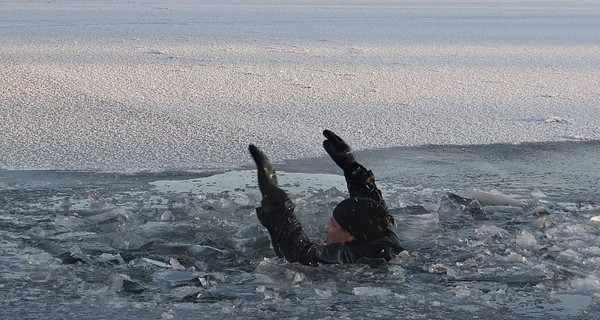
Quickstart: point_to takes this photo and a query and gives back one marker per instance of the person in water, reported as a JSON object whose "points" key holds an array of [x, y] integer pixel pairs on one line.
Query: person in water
{"points": [[359, 230]]}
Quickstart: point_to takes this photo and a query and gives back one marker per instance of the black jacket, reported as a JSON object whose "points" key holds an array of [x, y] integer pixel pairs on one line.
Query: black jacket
{"points": [[291, 243]]}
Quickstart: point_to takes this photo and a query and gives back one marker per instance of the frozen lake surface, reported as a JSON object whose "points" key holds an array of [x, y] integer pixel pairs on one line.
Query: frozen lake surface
{"points": [[126, 189], [141, 85]]}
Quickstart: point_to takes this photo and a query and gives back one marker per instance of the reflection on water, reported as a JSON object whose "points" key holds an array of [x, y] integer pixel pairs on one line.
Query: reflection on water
{"points": [[490, 234]]}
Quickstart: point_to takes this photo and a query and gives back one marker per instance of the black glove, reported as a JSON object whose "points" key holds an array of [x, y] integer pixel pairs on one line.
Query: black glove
{"points": [[275, 202], [339, 151], [267, 179]]}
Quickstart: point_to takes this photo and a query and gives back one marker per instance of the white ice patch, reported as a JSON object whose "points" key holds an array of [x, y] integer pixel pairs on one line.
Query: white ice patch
{"points": [[326, 293], [69, 222], [526, 241], [175, 264], [538, 194], [489, 230], [555, 119], [492, 198], [595, 221], [246, 179], [591, 284]]}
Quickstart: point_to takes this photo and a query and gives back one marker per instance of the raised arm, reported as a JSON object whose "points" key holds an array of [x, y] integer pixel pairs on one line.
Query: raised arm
{"points": [[277, 215], [360, 180]]}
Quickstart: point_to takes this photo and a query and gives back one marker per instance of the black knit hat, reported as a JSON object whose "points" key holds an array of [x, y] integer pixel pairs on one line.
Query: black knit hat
{"points": [[364, 218]]}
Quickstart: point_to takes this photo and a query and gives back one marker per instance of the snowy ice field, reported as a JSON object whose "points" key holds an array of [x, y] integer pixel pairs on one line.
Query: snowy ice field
{"points": [[126, 189], [155, 85]]}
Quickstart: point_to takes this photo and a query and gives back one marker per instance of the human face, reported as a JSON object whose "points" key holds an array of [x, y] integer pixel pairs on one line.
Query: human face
{"points": [[337, 234]]}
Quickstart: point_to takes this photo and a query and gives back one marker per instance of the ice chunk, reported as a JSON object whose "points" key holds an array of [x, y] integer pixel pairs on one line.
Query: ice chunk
{"points": [[133, 286], [569, 256], [409, 210], [186, 293], [589, 283], [526, 241], [241, 199], [266, 293], [464, 291], [164, 229], [495, 198], [73, 235], [125, 240], [595, 221], [591, 208], [65, 203], [298, 277], [515, 257], [156, 263], [466, 205], [122, 282], [177, 278], [69, 222], [74, 255], [204, 281], [207, 251], [538, 194], [175, 264], [455, 211], [263, 279], [490, 230], [118, 214], [273, 270], [110, 259], [167, 216], [95, 201], [415, 227], [323, 293], [443, 269], [36, 233], [538, 210], [544, 222], [371, 291], [555, 119]]}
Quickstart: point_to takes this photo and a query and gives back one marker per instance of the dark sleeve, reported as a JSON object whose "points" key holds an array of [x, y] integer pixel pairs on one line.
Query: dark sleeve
{"points": [[361, 183], [287, 236]]}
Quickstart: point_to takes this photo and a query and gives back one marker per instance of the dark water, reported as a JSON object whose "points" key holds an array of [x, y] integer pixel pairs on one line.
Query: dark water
{"points": [[497, 232]]}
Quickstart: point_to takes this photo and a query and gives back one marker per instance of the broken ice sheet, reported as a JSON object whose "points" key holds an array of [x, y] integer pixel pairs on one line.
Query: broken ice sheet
{"points": [[176, 278], [125, 240], [123, 282], [175, 264], [114, 215]]}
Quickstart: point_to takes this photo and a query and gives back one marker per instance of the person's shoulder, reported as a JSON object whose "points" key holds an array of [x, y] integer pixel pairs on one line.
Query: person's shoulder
{"points": [[393, 239], [386, 246], [343, 252]]}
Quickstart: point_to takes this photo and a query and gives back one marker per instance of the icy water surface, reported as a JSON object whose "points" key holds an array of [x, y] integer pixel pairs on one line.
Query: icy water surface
{"points": [[495, 232]]}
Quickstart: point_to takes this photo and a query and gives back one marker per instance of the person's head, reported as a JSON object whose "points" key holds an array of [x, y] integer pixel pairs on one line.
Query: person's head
{"points": [[358, 218]]}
